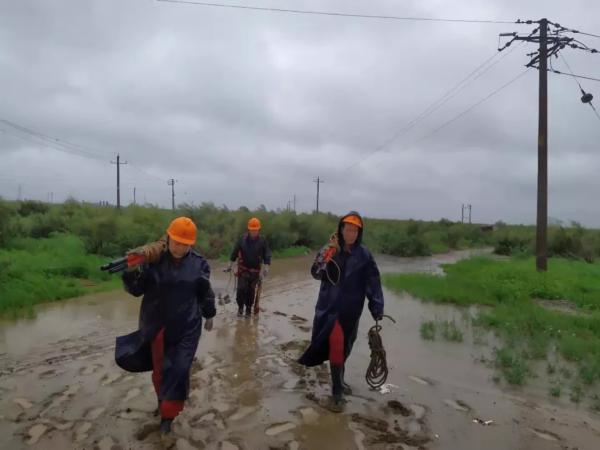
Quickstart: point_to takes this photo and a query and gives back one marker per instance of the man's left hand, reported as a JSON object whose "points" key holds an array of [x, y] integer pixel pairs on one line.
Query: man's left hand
{"points": [[208, 324]]}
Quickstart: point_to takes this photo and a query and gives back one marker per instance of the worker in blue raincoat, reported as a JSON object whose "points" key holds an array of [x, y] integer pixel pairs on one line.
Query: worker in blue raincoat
{"points": [[348, 273], [177, 294]]}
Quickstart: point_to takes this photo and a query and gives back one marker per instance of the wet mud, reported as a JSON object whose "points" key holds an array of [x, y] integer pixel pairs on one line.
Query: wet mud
{"points": [[60, 387]]}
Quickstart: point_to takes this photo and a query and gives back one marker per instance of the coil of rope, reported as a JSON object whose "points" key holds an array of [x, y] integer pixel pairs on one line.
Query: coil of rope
{"points": [[377, 372]]}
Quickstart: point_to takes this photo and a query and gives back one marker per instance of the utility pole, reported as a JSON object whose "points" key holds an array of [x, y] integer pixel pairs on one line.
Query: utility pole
{"points": [[294, 203], [541, 243], [549, 44], [171, 183], [462, 213], [119, 164], [134, 196], [318, 181], [470, 206]]}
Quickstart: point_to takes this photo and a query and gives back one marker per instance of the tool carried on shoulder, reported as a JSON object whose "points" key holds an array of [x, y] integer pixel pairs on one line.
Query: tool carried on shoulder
{"points": [[145, 254]]}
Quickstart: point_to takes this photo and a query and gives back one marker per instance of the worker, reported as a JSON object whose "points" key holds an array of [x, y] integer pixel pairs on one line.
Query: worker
{"points": [[253, 258], [348, 273], [177, 295]]}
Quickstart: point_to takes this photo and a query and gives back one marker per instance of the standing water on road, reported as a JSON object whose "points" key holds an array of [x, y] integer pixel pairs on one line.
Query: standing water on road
{"points": [[60, 387]]}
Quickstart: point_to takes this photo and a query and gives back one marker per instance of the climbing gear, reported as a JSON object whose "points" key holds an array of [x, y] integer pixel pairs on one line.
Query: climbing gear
{"points": [[145, 254], [354, 220], [254, 224], [257, 292], [325, 257], [377, 371], [183, 230]]}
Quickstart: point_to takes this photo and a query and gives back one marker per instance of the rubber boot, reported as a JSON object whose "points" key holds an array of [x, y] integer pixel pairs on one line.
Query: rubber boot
{"points": [[346, 389], [337, 389], [165, 426]]}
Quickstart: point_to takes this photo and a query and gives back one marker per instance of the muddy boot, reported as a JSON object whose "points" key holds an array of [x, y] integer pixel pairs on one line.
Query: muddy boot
{"points": [[240, 312], [248, 311], [166, 435], [337, 388], [165, 426], [346, 389], [331, 404]]}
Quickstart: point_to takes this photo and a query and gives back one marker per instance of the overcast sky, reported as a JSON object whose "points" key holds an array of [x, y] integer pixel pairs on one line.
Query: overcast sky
{"points": [[246, 107]]}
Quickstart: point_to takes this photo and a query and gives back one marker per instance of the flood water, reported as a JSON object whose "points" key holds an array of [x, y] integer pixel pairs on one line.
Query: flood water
{"points": [[60, 387]]}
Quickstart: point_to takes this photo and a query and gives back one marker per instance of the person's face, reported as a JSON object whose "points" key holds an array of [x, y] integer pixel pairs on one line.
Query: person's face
{"points": [[350, 233], [178, 250], [253, 233]]}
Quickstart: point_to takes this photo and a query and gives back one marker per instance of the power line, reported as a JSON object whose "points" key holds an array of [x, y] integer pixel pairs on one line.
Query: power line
{"points": [[335, 14], [583, 99], [466, 111], [436, 105], [583, 77], [63, 144]]}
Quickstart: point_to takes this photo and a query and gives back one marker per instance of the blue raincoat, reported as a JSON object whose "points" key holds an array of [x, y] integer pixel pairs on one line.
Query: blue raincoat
{"points": [[359, 278], [176, 296]]}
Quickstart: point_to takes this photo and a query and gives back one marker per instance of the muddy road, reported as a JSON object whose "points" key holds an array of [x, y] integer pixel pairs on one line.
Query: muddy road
{"points": [[60, 387]]}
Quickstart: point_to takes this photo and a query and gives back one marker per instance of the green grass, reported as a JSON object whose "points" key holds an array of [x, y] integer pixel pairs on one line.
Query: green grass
{"points": [[40, 270], [510, 288], [428, 330], [451, 332], [512, 365], [555, 391]]}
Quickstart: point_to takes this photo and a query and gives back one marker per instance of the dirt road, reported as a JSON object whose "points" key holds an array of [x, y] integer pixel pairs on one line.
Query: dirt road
{"points": [[60, 388]]}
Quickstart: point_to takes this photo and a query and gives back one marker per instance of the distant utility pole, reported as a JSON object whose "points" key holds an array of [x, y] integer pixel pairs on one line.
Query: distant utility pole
{"points": [[550, 42], [318, 181], [463, 215], [119, 164], [294, 203], [171, 183], [134, 196]]}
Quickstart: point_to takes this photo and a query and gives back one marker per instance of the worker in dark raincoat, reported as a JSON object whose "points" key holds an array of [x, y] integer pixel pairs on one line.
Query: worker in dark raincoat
{"points": [[253, 257], [177, 294], [348, 273]]}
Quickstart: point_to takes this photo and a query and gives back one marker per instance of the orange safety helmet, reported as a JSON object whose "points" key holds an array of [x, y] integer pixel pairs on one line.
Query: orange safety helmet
{"points": [[354, 220], [182, 230], [254, 224]]}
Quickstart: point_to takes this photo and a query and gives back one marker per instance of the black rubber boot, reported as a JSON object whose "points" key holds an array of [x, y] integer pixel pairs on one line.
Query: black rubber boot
{"points": [[165, 426], [346, 389], [337, 388]]}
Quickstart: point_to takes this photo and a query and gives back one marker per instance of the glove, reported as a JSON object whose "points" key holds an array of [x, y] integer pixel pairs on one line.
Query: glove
{"points": [[378, 317], [265, 271], [208, 324]]}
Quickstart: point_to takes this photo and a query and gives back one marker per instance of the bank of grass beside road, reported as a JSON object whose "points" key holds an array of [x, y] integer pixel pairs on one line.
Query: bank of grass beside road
{"points": [[514, 291], [40, 270]]}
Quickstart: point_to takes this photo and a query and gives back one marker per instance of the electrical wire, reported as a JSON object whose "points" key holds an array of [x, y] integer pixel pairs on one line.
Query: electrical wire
{"points": [[332, 13]]}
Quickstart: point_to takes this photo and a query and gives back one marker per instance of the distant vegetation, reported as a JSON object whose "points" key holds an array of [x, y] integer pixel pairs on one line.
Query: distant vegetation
{"points": [[32, 233]]}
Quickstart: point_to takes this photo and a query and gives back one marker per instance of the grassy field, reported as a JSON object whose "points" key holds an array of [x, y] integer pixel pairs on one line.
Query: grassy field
{"points": [[36, 270], [513, 289]]}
